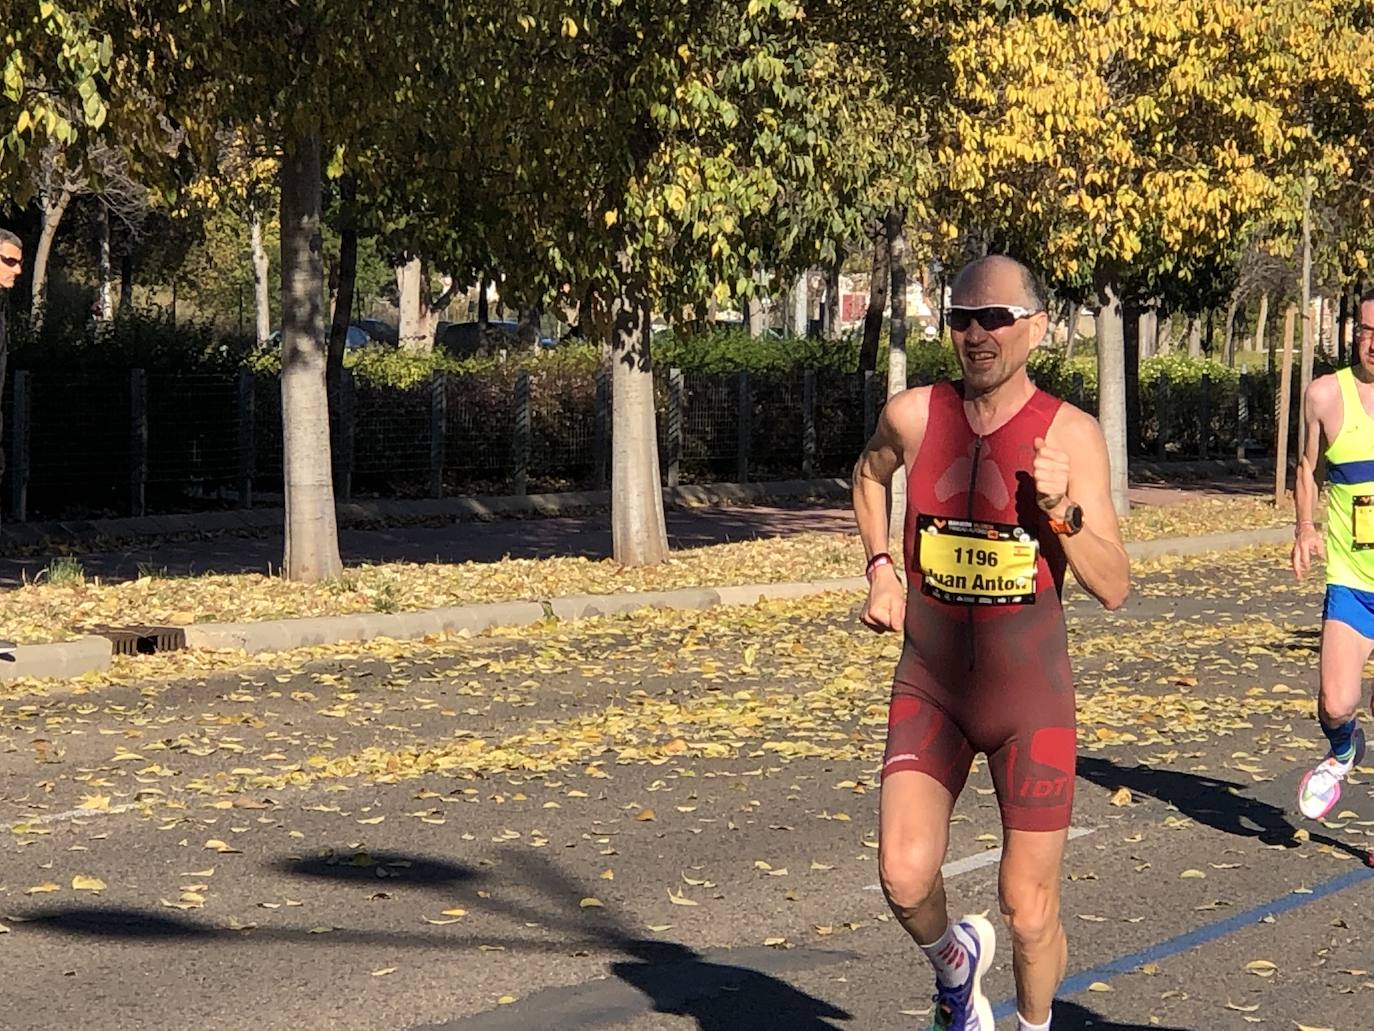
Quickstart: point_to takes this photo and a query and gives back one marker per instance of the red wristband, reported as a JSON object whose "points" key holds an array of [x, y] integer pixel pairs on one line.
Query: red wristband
{"points": [[877, 562]]}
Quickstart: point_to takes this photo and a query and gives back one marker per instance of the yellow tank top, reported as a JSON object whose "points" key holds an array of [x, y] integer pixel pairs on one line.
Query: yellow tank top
{"points": [[1350, 495]]}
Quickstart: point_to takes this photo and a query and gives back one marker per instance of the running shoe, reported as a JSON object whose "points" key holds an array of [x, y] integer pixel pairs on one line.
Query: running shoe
{"points": [[966, 1008], [1320, 789]]}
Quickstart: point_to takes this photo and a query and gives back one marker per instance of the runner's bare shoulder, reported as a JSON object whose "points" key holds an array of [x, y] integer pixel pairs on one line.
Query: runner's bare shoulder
{"points": [[1324, 390], [1324, 402], [906, 414], [1073, 428]]}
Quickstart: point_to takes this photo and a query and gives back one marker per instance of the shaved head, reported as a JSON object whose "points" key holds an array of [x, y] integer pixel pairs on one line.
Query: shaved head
{"points": [[997, 279]]}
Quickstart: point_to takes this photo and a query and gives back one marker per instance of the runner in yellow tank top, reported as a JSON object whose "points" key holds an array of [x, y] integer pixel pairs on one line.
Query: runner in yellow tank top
{"points": [[1337, 411]]}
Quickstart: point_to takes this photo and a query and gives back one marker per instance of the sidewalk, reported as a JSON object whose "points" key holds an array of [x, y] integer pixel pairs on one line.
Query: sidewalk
{"points": [[586, 536]]}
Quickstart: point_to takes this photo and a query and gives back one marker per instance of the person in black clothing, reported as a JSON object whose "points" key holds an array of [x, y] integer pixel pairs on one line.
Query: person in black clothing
{"points": [[11, 264]]}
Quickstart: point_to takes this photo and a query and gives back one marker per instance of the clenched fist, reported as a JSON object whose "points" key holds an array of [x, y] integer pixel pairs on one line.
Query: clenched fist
{"points": [[885, 609], [1051, 471]]}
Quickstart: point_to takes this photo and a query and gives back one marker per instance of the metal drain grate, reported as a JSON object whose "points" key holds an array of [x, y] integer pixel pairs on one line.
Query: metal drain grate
{"points": [[142, 640]]}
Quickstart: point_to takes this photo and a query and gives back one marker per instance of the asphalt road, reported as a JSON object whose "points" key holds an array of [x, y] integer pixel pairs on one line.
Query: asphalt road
{"points": [[666, 822]]}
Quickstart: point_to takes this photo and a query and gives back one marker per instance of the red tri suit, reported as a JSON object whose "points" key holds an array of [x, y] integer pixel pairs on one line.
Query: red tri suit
{"points": [[985, 666]]}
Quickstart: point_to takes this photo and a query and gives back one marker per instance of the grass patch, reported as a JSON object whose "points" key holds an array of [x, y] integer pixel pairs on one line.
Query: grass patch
{"points": [[64, 571]]}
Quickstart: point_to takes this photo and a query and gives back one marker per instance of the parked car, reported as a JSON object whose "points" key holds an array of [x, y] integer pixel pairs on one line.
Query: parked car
{"points": [[464, 339], [382, 332], [355, 337]]}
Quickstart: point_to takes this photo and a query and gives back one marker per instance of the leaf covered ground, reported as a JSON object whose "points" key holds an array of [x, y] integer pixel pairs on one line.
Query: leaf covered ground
{"points": [[53, 611], [532, 805]]}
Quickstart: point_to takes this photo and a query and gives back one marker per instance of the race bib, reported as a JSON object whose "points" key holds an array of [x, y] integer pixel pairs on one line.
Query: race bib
{"points": [[968, 563], [1362, 522]]}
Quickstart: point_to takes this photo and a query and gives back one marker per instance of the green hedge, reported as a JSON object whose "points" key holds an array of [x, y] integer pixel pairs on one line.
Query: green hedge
{"points": [[148, 339]]}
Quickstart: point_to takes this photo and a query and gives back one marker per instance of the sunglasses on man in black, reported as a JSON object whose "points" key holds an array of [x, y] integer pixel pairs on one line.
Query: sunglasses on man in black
{"points": [[9, 262], [989, 316]]}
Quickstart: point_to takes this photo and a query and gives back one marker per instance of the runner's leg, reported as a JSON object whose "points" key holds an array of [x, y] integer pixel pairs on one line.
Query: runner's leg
{"points": [[1344, 652], [1028, 885], [913, 834]]}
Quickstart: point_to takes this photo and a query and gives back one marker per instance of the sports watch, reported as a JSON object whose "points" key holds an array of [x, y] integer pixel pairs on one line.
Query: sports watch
{"points": [[1070, 524]]}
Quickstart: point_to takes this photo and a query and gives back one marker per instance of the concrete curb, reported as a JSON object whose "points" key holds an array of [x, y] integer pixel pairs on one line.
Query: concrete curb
{"points": [[1183, 546], [60, 661], [93, 653]]}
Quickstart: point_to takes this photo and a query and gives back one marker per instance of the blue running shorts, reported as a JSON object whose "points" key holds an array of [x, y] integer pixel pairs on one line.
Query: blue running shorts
{"points": [[1353, 608]]}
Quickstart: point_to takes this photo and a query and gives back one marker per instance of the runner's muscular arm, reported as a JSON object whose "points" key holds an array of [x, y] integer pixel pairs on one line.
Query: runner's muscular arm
{"points": [[1096, 555], [900, 430], [1322, 395]]}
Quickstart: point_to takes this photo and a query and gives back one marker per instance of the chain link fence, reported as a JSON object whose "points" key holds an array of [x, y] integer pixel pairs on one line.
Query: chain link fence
{"points": [[93, 444]]}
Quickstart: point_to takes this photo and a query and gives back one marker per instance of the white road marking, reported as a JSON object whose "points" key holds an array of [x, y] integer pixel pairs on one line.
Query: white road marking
{"points": [[957, 866]]}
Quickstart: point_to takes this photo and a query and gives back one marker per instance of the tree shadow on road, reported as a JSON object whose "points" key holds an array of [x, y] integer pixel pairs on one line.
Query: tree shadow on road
{"points": [[366, 864], [725, 990], [1069, 1016], [720, 996], [712, 989], [1215, 803]]}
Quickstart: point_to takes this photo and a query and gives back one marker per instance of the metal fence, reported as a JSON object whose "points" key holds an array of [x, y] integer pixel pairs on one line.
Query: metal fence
{"points": [[129, 442]]}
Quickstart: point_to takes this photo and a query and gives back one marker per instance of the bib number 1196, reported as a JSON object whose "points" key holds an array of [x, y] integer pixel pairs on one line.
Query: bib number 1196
{"points": [[969, 563]]}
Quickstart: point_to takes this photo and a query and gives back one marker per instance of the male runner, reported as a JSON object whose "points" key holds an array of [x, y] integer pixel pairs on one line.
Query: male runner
{"points": [[1336, 410], [1005, 486]]}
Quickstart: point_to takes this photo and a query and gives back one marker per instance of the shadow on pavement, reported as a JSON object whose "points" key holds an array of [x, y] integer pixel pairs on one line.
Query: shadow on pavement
{"points": [[720, 996], [674, 978], [363, 865], [1069, 1016], [537, 538], [1212, 802]]}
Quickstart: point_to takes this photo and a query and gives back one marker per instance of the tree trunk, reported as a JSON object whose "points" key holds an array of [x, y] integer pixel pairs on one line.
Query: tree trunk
{"points": [[833, 301], [1305, 288], [1194, 336], [483, 307], [801, 306], [312, 538], [54, 207], [262, 298], [638, 533], [1281, 427], [940, 305], [877, 303], [105, 289], [1230, 341], [414, 295], [528, 331], [126, 277], [894, 231], [1131, 317], [1111, 393], [1071, 336], [1261, 326], [1163, 333], [347, 270], [753, 310], [1342, 321]]}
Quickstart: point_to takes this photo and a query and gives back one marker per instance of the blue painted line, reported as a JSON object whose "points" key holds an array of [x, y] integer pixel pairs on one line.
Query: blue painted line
{"points": [[1192, 939]]}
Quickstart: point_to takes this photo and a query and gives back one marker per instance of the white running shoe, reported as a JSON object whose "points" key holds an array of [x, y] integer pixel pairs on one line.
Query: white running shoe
{"points": [[1320, 789], [966, 1008]]}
